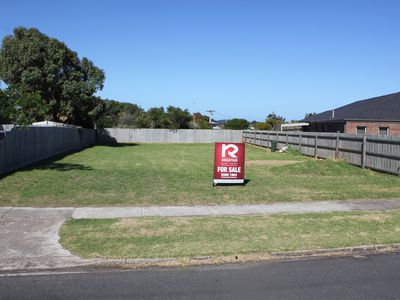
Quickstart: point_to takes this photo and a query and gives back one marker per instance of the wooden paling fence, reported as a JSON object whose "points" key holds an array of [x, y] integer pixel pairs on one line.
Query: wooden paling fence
{"points": [[24, 146], [380, 153], [165, 136]]}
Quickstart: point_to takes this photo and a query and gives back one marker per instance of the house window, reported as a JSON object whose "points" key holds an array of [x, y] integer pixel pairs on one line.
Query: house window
{"points": [[383, 130], [361, 130]]}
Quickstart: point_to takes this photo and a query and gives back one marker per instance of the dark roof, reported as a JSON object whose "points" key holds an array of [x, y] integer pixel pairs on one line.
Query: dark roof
{"points": [[383, 108]]}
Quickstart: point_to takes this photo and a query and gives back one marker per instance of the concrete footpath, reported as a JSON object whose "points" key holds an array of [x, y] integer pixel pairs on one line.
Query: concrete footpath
{"points": [[29, 236], [221, 210]]}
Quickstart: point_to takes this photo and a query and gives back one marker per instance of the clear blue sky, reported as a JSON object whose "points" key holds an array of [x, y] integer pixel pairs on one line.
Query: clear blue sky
{"points": [[241, 58]]}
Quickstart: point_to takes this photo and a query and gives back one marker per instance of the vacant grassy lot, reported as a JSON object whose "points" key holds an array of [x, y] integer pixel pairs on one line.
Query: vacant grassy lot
{"points": [[222, 236], [160, 174]]}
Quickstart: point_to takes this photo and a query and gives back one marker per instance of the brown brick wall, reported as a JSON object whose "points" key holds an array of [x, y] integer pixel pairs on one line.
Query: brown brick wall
{"points": [[373, 127]]}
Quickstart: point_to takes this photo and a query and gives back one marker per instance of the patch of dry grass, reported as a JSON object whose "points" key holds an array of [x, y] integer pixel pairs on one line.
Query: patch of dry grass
{"points": [[227, 236]]}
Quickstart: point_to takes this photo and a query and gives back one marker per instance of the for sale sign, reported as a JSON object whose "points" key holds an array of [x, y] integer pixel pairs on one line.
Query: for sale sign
{"points": [[229, 163]]}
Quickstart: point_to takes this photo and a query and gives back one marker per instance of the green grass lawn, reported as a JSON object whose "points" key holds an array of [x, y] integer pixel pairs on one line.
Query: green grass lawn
{"points": [[222, 236], [172, 174]]}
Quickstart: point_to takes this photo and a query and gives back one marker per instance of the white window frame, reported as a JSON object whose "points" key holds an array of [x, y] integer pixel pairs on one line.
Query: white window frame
{"points": [[387, 130], [365, 129]]}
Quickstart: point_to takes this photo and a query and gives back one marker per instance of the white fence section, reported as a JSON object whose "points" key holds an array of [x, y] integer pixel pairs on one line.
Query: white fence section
{"points": [[24, 146], [380, 153], [127, 135]]}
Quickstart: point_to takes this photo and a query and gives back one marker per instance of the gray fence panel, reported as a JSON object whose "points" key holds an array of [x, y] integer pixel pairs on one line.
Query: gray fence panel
{"points": [[381, 152], [24, 146], [127, 135]]}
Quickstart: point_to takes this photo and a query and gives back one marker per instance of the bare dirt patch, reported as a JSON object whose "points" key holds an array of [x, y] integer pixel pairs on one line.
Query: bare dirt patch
{"points": [[375, 217], [271, 163]]}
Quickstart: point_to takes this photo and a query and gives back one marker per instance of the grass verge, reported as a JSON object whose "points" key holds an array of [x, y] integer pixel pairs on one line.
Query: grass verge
{"points": [[223, 236], [181, 174]]}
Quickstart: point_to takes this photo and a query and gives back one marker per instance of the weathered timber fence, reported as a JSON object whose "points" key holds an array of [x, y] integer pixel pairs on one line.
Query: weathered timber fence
{"points": [[127, 135], [24, 146], [380, 153]]}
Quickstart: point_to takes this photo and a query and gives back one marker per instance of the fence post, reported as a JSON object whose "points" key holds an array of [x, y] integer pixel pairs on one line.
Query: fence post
{"points": [[316, 146], [269, 143], [337, 146], [261, 138], [300, 142], [287, 139], [364, 152]]}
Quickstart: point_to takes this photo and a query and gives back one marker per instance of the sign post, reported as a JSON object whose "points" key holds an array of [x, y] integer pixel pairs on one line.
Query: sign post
{"points": [[229, 163]]}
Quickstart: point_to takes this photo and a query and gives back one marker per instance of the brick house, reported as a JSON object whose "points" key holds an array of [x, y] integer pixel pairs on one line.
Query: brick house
{"points": [[376, 116]]}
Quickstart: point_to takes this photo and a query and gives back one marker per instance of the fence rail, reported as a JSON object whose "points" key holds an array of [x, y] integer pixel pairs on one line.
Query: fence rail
{"points": [[24, 146], [380, 153]]}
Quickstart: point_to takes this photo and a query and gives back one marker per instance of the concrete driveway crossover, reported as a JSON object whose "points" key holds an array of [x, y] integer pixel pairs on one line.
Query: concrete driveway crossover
{"points": [[29, 238]]}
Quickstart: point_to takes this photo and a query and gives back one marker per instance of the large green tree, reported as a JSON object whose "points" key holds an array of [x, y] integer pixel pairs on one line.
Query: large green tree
{"points": [[157, 117], [4, 107], [132, 116], [178, 118], [35, 65], [122, 114]]}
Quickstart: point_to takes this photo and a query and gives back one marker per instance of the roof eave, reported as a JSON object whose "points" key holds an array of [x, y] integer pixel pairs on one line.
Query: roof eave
{"points": [[373, 120], [327, 121]]}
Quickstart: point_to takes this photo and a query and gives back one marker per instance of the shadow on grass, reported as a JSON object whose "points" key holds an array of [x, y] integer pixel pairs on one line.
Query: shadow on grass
{"points": [[246, 181], [118, 145], [64, 167], [51, 161]]}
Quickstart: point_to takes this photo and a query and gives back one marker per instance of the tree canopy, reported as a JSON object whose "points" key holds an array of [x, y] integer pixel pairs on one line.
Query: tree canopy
{"points": [[237, 124], [50, 78], [119, 114], [272, 121], [307, 115], [4, 107], [178, 118]]}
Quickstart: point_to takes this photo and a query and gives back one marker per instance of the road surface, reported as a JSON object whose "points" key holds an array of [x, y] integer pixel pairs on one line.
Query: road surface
{"points": [[373, 277]]}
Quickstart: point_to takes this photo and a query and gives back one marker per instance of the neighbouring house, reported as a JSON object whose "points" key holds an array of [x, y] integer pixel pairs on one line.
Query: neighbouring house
{"points": [[51, 124], [375, 116], [294, 126]]}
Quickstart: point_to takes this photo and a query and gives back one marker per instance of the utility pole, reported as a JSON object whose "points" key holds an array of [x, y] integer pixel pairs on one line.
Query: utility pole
{"points": [[211, 112]]}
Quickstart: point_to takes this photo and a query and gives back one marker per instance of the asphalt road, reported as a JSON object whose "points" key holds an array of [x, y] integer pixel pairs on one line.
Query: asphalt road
{"points": [[373, 277]]}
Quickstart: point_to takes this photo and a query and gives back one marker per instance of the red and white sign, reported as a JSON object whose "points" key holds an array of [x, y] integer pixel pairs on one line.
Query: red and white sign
{"points": [[229, 163]]}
